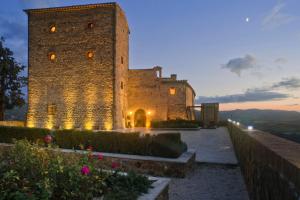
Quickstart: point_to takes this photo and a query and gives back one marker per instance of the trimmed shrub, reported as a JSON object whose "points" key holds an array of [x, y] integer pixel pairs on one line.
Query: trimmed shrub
{"points": [[162, 145], [9, 133], [167, 145], [176, 123]]}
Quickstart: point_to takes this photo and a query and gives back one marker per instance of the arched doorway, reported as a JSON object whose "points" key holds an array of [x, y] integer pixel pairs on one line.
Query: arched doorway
{"points": [[140, 118]]}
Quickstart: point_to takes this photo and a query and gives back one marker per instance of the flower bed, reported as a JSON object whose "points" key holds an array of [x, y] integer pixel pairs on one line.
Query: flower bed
{"points": [[28, 171], [177, 123], [163, 145]]}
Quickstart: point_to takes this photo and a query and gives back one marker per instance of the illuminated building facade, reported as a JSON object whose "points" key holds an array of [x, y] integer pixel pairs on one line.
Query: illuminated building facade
{"points": [[78, 65], [79, 76]]}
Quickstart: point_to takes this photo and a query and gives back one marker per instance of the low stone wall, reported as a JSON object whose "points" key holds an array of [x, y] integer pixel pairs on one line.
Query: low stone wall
{"points": [[155, 166], [270, 165], [12, 123]]}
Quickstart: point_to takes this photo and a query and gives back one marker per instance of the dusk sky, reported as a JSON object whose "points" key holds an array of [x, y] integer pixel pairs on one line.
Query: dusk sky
{"points": [[241, 53]]}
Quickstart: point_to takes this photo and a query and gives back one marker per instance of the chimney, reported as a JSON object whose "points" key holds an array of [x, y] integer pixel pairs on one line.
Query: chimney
{"points": [[174, 77]]}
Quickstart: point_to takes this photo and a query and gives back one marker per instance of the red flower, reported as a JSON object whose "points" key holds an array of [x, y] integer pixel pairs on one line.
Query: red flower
{"points": [[48, 139], [100, 156], [89, 148], [114, 165], [85, 170]]}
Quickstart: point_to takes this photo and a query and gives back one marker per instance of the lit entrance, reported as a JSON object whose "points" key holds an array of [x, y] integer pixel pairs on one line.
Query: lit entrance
{"points": [[140, 118]]}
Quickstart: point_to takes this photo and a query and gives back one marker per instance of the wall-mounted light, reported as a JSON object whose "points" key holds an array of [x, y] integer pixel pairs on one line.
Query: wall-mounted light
{"points": [[149, 113], [250, 128], [238, 123], [229, 120], [130, 112]]}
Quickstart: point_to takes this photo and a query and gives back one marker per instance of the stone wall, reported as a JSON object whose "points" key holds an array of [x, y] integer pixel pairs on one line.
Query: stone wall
{"points": [[12, 123], [74, 91], [270, 165], [151, 93], [121, 69]]}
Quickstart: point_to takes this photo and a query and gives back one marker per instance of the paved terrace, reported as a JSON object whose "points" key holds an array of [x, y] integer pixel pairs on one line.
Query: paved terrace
{"points": [[217, 175]]}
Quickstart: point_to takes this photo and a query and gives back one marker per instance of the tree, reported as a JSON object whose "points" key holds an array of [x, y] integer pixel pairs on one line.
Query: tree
{"points": [[11, 81]]}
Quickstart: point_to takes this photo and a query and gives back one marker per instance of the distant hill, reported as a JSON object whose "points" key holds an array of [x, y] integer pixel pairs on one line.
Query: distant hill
{"points": [[17, 113], [282, 123]]}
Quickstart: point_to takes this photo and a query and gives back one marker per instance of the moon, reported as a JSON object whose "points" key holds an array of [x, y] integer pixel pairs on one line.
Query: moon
{"points": [[247, 19]]}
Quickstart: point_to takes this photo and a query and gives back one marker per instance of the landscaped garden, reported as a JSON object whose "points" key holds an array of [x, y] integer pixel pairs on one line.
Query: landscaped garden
{"points": [[31, 171]]}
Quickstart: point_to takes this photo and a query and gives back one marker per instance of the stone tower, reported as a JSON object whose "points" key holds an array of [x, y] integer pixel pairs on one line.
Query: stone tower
{"points": [[78, 67]]}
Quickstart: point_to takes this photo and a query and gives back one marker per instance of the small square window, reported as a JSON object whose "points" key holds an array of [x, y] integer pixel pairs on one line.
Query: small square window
{"points": [[172, 91], [52, 29], [51, 110], [52, 56], [91, 25], [90, 54]]}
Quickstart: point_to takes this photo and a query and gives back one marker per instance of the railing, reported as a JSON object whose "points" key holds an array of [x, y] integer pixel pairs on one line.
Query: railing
{"points": [[270, 164]]}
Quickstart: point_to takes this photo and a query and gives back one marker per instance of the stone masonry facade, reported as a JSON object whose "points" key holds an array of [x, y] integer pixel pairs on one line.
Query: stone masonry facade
{"points": [[78, 59], [159, 97]]}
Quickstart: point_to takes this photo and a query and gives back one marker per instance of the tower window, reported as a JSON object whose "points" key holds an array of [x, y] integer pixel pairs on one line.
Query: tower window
{"points": [[52, 56], [91, 25], [122, 60], [122, 85], [90, 54], [51, 110], [172, 91], [52, 29]]}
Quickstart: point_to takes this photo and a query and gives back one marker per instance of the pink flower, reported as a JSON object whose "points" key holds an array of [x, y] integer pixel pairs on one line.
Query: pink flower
{"points": [[85, 170], [48, 139], [114, 165], [100, 156]]}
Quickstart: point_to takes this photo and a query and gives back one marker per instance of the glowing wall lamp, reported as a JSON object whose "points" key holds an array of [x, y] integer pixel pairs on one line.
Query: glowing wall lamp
{"points": [[250, 128]]}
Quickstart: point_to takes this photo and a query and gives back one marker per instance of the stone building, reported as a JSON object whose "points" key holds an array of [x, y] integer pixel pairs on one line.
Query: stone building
{"points": [[153, 97], [79, 76]]}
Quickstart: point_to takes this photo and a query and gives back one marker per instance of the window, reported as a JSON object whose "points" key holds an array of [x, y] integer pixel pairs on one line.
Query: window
{"points": [[52, 56], [122, 85], [91, 25], [51, 110], [172, 91], [90, 54], [122, 60], [52, 29]]}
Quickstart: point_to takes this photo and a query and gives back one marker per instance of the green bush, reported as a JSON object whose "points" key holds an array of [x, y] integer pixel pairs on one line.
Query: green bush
{"points": [[176, 123], [162, 145], [8, 134], [31, 172]]}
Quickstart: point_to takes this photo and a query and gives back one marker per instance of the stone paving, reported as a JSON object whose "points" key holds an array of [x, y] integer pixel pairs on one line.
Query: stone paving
{"points": [[216, 175], [209, 182], [211, 145]]}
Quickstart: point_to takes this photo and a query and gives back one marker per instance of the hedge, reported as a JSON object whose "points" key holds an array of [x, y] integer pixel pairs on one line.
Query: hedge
{"points": [[9, 133], [161, 145], [176, 123]]}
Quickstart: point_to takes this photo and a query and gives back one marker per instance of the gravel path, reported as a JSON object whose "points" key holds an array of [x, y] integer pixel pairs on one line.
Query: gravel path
{"points": [[209, 182]]}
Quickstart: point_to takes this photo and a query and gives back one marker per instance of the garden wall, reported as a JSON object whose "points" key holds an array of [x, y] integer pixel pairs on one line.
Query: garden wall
{"points": [[270, 165], [12, 123]]}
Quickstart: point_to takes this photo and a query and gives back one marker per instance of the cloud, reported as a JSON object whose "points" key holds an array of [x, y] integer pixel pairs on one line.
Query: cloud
{"points": [[280, 61], [238, 65], [251, 95], [276, 17], [266, 93], [287, 83]]}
